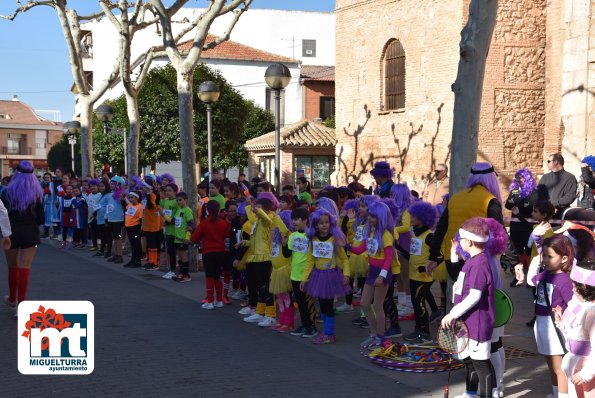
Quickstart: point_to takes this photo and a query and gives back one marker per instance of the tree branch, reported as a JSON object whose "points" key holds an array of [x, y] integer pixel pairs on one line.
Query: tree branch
{"points": [[26, 7], [232, 24], [107, 6]]}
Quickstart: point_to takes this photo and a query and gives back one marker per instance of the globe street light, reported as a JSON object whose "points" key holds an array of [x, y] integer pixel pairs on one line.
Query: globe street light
{"points": [[72, 129], [208, 92], [277, 77], [105, 113]]}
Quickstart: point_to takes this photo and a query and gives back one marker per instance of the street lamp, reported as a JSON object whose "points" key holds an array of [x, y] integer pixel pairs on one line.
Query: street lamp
{"points": [[277, 77], [72, 129], [208, 92], [105, 113]]}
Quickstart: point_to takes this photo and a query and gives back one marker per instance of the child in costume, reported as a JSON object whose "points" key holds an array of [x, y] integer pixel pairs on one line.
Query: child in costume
{"points": [[114, 215], [104, 230], [152, 225], [390, 306], [81, 213], [322, 277], [554, 289], [183, 226], [67, 215], [474, 304], [132, 222], [280, 283], [577, 322], [169, 208], [49, 205]]}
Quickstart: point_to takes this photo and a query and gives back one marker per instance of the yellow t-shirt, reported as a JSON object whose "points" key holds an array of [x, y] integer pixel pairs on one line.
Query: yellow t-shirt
{"points": [[323, 255], [375, 250], [419, 255]]}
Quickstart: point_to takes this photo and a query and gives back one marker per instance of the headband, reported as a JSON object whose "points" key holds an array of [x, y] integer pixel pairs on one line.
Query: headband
{"points": [[22, 170], [581, 275], [133, 194], [471, 236], [486, 171]]}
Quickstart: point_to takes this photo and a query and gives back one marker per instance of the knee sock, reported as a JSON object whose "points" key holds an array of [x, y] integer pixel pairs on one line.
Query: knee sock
{"points": [[210, 287], [226, 279], [498, 366], [218, 288], [289, 316], [23, 283], [260, 308], [13, 281], [270, 311], [329, 325]]}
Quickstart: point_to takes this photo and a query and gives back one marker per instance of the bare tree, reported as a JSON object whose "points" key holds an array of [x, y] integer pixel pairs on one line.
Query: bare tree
{"points": [[185, 67], [476, 38]]}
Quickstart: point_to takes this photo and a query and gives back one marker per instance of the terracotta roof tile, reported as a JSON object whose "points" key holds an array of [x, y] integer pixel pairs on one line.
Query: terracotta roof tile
{"points": [[315, 72], [235, 51], [302, 134], [17, 112]]}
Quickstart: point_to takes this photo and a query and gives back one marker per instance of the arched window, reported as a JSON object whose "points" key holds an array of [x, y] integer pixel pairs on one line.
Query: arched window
{"points": [[394, 76]]}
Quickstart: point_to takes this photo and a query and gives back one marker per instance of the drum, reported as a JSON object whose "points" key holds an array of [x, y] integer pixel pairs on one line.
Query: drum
{"points": [[503, 308]]}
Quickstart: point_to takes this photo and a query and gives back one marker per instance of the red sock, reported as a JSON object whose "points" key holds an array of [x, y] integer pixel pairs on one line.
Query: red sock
{"points": [[210, 285], [289, 316], [13, 280], [23, 283], [219, 289]]}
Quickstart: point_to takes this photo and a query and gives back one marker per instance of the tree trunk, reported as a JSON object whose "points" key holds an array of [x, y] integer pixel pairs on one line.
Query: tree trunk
{"points": [[476, 37], [133, 137], [86, 121], [187, 146]]}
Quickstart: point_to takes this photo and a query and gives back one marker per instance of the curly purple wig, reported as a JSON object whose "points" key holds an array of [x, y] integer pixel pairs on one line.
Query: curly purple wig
{"points": [[425, 213], [335, 229], [285, 216], [269, 196], [24, 188], [483, 174], [93, 181], [382, 170], [495, 246], [328, 204], [528, 185], [170, 178], [351, 204], [384, 222]]}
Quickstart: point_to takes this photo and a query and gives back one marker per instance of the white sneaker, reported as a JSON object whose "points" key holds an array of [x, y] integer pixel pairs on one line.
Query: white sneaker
{"points": [[238, 295], [345, 308], [247, 310], [267, 322], [168, 275], [208, 306], [254, 318], [9, 303], [219, 304]]}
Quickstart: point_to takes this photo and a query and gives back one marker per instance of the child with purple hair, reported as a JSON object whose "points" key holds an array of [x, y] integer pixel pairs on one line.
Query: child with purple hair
{"points": [[322, 276], [166, 178], [403, 198], [378, 244], [280, 282], [348, 214]]}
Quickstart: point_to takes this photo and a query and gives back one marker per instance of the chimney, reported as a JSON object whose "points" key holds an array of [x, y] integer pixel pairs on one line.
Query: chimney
{"points": [[15, 98]]}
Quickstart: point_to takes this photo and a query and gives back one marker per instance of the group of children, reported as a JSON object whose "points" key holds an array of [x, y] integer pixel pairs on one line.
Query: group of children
{"points": [[286, 252]]}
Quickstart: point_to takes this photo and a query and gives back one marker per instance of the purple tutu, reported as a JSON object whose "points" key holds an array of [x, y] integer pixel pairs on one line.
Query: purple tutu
{"points": [[374, 272], [327, 284]]}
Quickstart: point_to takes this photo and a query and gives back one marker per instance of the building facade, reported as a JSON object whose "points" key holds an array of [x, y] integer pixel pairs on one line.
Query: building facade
{"points": [[396, 62], [25, 136]]}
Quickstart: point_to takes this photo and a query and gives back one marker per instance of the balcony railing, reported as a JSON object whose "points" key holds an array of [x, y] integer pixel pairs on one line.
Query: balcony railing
{"points": [[20, 151]]}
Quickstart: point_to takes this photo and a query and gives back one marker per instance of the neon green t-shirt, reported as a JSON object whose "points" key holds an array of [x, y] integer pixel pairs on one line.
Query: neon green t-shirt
{"points": [[298, 243], [183, 217], [169, 207]]}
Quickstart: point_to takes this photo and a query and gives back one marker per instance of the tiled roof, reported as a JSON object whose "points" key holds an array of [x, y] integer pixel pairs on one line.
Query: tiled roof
{"points": [[16, 112], [315, 72], [235, 51], [302, 134]]}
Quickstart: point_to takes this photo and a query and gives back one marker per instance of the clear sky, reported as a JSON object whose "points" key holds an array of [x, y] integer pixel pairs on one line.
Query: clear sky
{"points": [[35, 60]]}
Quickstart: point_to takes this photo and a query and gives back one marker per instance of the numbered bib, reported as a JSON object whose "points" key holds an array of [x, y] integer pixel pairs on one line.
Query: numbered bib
{"points": [[457, 288], [167, 213], [275, 251], [415, 247], [96, 207], [540, 297], [359, 234], [109, 208], [300, 244], [178, 222], [322, 250], [131, 211], [372, 247]]}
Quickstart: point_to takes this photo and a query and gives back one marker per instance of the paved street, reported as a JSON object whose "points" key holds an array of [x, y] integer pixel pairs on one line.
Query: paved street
{"points": [[152, 339]]}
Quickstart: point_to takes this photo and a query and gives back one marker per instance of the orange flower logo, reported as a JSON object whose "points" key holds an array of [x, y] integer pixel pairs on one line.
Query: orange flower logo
{"points": [[43, 319]]}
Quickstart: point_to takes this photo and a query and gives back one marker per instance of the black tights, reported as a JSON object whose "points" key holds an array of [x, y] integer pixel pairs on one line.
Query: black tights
{"points": [[419, 291], [259, 275], [390, 308], [305, 303], [480, 373], [360, 283]]}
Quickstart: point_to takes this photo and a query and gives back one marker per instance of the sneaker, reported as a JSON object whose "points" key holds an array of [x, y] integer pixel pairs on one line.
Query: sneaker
{"points": [[130, 264], [239, 295], [152, 267], [9, 303], [254, 318], [393, 331], [267, 322], [284, 329], [310, 332], [365, 325], [323, 339], [435, 316], [98, 254], [422, 338], [204, 300], [344, 308], [182, 278], [357, 293], [371, 341], [219, 304], [299, 331], [168, 275], [412, 336], [358, 321], [208, 306], [247, 310], [226, 301]]}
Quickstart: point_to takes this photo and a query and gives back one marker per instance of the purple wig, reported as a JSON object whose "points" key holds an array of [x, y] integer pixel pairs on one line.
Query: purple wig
{"points": [[169, 177], [528, 185], [269, 196], [24, 188], [382, 170], [425, 213], [402, 196], [328, 204], [366, 201], [119, 190], [93, 181], [335, 229], [136, 183], [285, 216], [384, 221], [495, 246], [483, 174], [351, 204], [394, 209]]}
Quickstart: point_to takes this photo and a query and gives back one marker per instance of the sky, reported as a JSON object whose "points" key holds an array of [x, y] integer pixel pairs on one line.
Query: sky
{"points": [[35, 60]]}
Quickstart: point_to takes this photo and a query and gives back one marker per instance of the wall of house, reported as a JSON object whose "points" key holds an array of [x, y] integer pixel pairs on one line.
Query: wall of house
{"points": [[313, 90], [30, 150]]}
